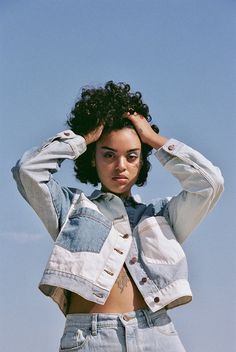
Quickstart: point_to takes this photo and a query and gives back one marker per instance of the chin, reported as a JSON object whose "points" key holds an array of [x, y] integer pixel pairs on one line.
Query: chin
{"points": [[119, 192]]}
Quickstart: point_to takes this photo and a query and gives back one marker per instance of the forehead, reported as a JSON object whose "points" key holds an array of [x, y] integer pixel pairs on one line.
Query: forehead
{"points": [[124, 139]]}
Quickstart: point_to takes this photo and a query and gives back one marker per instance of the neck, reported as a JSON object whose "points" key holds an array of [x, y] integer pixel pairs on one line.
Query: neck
{"points": [[122, 196]]}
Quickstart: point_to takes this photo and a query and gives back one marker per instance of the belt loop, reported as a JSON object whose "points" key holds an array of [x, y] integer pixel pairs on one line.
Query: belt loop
{"points": [[94, 324], [148, 318]]}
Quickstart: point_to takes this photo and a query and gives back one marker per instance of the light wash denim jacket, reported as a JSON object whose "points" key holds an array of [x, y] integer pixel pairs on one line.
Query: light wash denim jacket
{"points": [[90, 248]]}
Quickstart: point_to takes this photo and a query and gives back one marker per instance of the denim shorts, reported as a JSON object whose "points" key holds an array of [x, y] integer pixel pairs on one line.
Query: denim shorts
{"points": [[138, 331]]}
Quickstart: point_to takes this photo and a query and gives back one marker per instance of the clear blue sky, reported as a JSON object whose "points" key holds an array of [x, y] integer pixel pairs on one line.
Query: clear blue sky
{"points": [[181, 55]]}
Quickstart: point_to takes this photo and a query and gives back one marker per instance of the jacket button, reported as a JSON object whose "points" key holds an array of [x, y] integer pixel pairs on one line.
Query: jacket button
{"points": [[118, 251], [126, 317], [108, 272], [133, 260], [144, 279], [100, 295], [156, 299], [126, 236], [171, 147]]}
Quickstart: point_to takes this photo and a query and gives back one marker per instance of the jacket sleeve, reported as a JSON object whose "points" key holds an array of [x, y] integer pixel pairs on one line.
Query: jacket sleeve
{"points": [[33, 175], [202, 185]]}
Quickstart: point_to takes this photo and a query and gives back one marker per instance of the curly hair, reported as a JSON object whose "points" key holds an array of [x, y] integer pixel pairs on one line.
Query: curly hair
{"points": [[106, 106]]}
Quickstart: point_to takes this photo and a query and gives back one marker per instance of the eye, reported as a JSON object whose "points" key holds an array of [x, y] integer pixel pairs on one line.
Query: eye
{"points": [[132, 157], [108, 155]]}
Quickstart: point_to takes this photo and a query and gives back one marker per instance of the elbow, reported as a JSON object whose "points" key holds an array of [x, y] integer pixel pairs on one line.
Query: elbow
{"points": [[217, 186], [16, 171], [218, 183], [19, 170]]}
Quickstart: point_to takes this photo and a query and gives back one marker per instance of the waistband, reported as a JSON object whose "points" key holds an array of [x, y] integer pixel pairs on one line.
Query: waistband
{"points": [[96, 321]]}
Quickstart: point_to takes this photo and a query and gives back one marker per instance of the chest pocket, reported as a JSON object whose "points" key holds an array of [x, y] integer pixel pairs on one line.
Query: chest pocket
{"points": [[158, 242], [85, 231]]}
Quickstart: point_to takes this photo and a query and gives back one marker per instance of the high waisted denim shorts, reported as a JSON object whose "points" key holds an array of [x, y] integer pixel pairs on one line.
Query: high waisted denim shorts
{"points": [[138, 331]]}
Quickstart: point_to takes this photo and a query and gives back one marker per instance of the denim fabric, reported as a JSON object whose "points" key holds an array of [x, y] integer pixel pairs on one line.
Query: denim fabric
{"points": [[90, 251], [139, 331], [85, 231]]}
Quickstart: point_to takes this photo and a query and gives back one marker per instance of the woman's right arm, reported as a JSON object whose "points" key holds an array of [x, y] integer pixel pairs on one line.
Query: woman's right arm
{"points": [[33, 175]]}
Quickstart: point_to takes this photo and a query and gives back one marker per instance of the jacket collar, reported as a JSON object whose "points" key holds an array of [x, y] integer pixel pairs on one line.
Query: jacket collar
{"points": [[109, 196]]}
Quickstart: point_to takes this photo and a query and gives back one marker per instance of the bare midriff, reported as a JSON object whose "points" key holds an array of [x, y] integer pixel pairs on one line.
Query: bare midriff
{"points": [[124, 297]]}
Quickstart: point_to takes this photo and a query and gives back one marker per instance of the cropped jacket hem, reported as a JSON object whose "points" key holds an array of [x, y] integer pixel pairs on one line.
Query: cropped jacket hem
{"points": [[90, 248]]}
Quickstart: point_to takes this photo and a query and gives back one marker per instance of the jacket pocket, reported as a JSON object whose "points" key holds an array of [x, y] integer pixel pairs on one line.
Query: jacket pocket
{"points": [[85, 231], [158, 243]]}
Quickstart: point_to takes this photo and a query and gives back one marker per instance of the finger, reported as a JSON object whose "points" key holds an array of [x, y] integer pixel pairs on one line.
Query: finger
{"points": [[130, 115]]}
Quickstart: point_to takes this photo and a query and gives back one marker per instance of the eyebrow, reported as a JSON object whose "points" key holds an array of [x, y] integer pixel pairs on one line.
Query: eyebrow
{"points": [[114, 150]]}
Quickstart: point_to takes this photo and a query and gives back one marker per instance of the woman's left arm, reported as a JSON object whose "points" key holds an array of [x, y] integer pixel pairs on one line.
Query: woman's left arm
{"points": [[201, 181]]}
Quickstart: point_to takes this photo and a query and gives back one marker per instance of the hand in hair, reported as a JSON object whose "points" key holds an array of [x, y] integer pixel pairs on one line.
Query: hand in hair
{"points": [[146, 132], [94, 135]]}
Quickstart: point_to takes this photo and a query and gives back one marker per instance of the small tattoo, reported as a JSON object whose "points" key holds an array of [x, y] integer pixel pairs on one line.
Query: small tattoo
{"points": [[122, 280], [140, 130]]}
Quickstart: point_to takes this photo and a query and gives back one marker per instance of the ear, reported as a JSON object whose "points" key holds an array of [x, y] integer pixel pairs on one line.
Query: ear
{"points": [[93, 163]]}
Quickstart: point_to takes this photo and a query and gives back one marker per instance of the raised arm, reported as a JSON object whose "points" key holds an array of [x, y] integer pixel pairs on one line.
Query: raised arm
{"points": [[33, 175], [202, 185], [201, 181]]}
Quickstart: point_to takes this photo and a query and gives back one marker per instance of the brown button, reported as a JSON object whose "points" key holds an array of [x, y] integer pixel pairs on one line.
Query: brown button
{"points": [[66, 133], [118, 250], [108, 272], [156, 299], [126, 236], [144, 279], [126, 317], [171, 147], [133, 260]]}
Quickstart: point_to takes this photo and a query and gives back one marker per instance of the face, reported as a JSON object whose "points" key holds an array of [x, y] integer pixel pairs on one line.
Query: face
{"points": [[118, 160]]}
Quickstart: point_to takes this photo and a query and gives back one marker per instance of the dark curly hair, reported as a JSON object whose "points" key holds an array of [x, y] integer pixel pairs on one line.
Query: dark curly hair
{"points": [[106, 106]]}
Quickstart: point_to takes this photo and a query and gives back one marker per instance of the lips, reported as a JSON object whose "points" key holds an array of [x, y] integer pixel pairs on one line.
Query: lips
{"points": [[120, 178]]}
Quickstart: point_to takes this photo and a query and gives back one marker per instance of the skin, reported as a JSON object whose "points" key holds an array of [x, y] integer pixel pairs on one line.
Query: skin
{"points": [[118, 161]]}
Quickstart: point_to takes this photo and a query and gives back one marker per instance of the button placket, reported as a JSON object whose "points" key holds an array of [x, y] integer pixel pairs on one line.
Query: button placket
{"points": [[108, 272], [133, 260], [144, 280]]}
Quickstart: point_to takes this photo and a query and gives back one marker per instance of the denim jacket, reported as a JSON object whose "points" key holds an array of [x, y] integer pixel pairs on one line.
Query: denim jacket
{"points": [[90, 248]]}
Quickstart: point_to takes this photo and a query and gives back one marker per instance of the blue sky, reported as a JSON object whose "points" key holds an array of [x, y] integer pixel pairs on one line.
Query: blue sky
{"points": [[181, 55]]}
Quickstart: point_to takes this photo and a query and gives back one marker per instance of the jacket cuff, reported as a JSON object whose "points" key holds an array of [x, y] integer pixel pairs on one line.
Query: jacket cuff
{"points": [[76, 142], [170, 149]]}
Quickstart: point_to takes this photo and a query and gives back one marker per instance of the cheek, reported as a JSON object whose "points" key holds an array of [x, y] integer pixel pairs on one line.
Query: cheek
{"points": [[102, 169], [136, 169]]}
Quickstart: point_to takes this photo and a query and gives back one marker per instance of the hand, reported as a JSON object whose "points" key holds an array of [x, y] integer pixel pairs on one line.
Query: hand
{"points": [[94, 135], [143, 128], [145, 131]]}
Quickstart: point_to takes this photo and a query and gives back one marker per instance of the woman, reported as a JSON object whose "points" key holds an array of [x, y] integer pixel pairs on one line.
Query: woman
{"points": [[117, 265]]}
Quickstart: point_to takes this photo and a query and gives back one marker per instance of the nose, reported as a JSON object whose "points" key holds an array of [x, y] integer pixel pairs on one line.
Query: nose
{"points": [[120, 164]]}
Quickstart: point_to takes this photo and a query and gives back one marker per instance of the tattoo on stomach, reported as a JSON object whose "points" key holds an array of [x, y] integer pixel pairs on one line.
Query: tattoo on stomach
{"points": [[122, 280]]}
